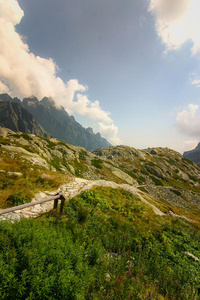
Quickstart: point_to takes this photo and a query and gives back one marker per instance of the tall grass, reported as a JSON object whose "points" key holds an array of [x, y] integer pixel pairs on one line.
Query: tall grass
{"points": [[107, 245]]}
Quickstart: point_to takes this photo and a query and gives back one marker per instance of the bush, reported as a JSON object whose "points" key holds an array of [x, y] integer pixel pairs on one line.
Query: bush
{"points": [[156, 181], [97, 163], [18, 198]]}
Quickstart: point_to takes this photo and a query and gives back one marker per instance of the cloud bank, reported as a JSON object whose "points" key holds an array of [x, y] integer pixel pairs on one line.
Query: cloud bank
{"points": [[177, 21], [188, 121], [23, 74]]}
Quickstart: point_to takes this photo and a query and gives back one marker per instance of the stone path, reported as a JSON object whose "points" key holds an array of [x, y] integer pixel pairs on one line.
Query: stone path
{"points": [[70, 190]]}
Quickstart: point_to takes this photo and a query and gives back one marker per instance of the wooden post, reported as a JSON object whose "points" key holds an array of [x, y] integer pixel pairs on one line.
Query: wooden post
{"points": [[55, 204], [62, 206], [62, 198]]}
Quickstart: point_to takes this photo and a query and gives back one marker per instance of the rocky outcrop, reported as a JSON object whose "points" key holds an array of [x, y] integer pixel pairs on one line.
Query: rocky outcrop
{"points": [[16, 118], [156, 166]]}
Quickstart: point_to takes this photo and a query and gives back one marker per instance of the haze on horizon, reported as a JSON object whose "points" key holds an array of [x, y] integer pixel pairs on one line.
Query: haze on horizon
{"points": [[129, 70]]}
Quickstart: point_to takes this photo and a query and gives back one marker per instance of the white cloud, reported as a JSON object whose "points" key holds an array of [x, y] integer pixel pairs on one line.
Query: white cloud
{"points": [[3, 88], [92, 110], [23, 74], [194, 80], [188, 121], [111, 132], [190, 145], [177, 21]]}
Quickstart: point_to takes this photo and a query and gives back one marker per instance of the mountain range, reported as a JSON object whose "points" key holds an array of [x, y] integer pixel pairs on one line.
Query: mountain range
{"points": [[193, 155], [44, 118]]}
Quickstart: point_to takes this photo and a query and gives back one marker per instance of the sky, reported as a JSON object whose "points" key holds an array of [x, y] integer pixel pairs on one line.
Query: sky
{"points": [[128, 69]]}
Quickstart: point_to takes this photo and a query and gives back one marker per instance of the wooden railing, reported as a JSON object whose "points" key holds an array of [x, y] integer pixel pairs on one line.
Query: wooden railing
{"points": [[55, 198]]}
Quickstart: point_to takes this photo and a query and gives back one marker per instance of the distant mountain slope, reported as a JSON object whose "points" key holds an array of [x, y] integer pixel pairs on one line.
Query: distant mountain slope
{"points": [[193, 155], [16, 118], [62, 126]]}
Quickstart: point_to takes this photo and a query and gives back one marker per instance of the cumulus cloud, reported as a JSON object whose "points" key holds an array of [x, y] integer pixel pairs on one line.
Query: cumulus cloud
{"points": [[188, 121], [112, 132], [177, 22], [23, 74]]}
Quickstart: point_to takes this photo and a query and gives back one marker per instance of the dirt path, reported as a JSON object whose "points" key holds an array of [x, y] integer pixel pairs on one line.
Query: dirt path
{"points": [[80, 185], [70, 190]]}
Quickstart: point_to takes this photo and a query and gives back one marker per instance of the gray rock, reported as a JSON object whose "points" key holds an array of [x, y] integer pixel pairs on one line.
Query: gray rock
{"points": [[14, 174]]}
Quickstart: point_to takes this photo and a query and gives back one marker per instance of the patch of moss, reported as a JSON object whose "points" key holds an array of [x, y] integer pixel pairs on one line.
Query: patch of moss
{"points": [[142, 188], [26, 137], [26, 147], [176, 192], [141, 180], [144, 172], [129, 173], [82, 155], [97, 163], [184, 159], [79, 168], [151, 164], [156, 181], [63, 144]]}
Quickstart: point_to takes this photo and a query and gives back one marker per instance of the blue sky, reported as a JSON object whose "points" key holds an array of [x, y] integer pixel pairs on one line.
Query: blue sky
{"points": [[129, 69]]}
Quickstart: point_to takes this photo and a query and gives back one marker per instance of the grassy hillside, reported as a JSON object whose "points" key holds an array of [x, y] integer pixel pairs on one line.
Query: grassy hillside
{"points": [[107, 245]]}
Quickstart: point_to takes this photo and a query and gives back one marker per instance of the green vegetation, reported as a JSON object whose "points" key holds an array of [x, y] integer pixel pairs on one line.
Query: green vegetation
{"points": [[178, 193], [26, 137], [61, 143], [82, 155], [129, 173], [18, 198], [79, 168], [49, 143], [16, 190], [97, 163], [184, 159], [156, 180], [107, 245]]}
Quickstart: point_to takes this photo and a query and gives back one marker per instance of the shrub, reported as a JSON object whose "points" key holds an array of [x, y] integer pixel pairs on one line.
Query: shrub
{"points": [[97, 163], [156, 180], [18, 198]]}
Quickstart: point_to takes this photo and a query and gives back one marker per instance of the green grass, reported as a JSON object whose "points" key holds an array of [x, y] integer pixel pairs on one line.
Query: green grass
{"points": [[82, 155], [97, 163], [156, 180], [107, 245], [17, 190]]}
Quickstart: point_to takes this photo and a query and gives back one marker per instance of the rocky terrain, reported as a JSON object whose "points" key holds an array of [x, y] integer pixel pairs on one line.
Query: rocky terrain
{"points": [[16, 118], [164, 177]]}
